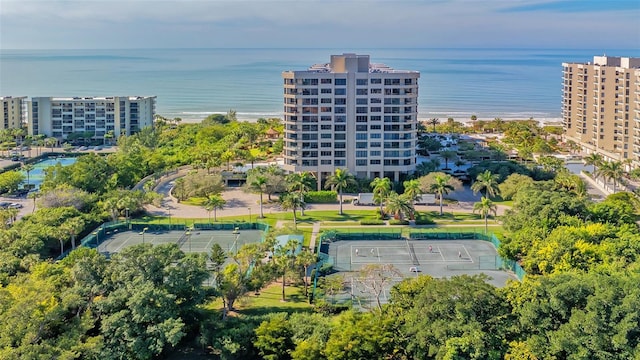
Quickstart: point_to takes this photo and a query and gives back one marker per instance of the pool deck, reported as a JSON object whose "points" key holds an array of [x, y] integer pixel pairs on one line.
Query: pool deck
{"points": [[27, 204]]}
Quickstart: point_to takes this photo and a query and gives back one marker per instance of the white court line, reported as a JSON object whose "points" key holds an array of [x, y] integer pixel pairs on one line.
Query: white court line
{"points": [[121, 245], [209, 243], [440, 252], [468, 255]]}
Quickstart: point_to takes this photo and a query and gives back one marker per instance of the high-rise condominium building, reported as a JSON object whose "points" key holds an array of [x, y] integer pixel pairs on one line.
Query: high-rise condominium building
{"points": [[351, 114], [120, 115], [13, 109], [601, 106]]}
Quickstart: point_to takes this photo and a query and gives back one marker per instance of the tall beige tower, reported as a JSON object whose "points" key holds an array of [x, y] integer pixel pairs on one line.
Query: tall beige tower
{"points": [[13, 111], [601, 106], [351, 113]]}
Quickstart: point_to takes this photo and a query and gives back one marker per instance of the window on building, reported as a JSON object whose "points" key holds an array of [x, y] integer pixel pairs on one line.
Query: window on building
{"points": [[341, 82], [341, 91], [361, 82], [325, 81], [361, 153]]}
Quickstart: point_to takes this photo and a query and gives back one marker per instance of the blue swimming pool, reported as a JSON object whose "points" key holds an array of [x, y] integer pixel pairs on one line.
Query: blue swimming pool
{"points": [[36, 176]]}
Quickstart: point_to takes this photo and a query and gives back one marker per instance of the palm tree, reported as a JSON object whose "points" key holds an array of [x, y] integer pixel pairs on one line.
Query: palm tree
{"points": [[300, 183], [285, 258], [412, 191], [340, 180], [488, 182], [448, 155], [306, 259], [485, 206], [399, 205], [595, 160], [50, 142], [291, 201], [213, 203], [427, 166], [73, 227], [381, 190], [33, 195], [259, 185], [27, 168], [612, 170], [497, 124], [441, 186], [433, 122]]}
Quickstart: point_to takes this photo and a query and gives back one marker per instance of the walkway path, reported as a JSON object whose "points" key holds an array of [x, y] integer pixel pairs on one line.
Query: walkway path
{"points": [[314, 235]]}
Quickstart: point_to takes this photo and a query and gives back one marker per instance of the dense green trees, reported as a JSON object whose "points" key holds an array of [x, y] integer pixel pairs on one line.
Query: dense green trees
{"points": [[135, 306]]}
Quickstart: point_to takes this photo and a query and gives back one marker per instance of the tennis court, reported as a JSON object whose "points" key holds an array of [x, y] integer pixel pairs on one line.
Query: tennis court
{"points": [[192, 240], [410, 258]]}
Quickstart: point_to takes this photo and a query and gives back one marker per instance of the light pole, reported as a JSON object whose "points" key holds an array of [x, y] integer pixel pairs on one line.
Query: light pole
{"points": [[126, 213], [142, 233], [97, 234]]}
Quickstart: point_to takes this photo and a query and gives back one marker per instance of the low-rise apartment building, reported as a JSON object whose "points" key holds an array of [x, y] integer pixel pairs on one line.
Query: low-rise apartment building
{"points": [[118, 115]]}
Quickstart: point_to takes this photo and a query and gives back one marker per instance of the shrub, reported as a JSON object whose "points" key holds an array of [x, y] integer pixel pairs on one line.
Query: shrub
{"points": [[371, 222], [324, 307], [423, 219], [325, 269], [398, 222], [321, 197]]}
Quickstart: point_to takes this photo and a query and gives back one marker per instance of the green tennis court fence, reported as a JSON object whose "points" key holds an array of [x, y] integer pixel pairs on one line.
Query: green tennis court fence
{"points": [[333, 235], [373, 235], [98, 234]]}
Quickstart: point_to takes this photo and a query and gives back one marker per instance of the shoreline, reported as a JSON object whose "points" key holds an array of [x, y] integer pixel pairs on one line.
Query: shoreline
{"points": [[194, 117]]}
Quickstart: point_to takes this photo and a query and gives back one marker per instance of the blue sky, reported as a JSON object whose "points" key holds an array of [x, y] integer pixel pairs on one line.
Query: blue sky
{"points": [[75, 24]]}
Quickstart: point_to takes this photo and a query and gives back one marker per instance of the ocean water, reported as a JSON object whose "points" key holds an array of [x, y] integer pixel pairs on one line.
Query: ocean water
{"points": [[193, 83]]}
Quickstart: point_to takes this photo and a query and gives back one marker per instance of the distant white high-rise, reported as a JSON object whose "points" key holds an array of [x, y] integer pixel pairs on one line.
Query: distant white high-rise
{"points": [[351, 114], [60, 117], [13, 110]]}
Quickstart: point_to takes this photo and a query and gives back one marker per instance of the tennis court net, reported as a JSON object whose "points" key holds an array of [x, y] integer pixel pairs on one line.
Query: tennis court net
{"points": [[183, 239], [412, 252]]}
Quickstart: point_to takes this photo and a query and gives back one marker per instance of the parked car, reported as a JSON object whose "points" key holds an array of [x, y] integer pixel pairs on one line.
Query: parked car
{"points": [[15, 206]]}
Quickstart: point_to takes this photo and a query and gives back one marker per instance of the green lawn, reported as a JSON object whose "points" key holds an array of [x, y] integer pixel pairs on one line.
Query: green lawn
{"points": [[268, 301]]}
